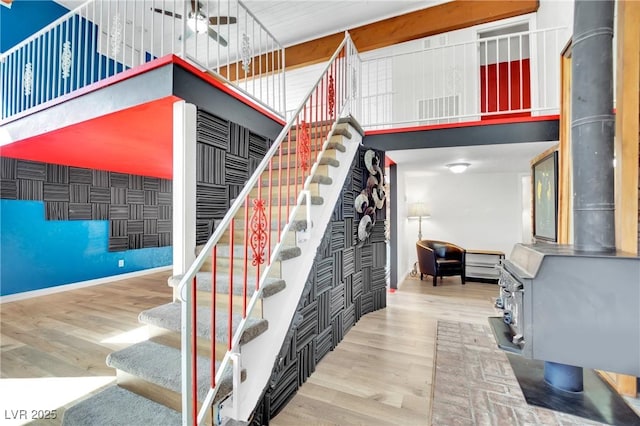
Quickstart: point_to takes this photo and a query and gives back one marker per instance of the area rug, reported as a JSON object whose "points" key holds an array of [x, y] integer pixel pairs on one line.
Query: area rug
{"points": [[474, 383]]}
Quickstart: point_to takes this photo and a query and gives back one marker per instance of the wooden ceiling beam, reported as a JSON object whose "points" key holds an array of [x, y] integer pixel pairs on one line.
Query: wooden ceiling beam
{"points": [[445, 17]]}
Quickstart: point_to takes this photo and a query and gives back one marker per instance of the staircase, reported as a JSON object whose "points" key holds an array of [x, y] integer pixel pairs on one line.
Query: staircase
{"points": [[237, 301]]}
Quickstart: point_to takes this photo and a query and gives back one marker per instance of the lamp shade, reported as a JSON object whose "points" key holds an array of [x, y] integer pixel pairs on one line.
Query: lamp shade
{"points": [[418, 210]]}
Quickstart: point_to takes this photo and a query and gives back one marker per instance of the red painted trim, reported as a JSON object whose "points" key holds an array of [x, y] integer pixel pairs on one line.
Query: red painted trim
{"points": [[194, 350], [96, 143], [388, 161], [270, 210], [230, 325], [109, 81], [141, 69], [246, 257], [214, 290], [512, 120], [223, 87]]}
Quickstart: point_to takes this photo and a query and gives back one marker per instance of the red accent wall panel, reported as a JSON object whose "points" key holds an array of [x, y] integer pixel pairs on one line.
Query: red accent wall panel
{"points": [[138, 140], [505, 86]]}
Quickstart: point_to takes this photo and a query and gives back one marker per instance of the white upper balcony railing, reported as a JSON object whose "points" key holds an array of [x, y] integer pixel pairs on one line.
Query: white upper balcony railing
{"points": [[513, 75], [103, 38]]}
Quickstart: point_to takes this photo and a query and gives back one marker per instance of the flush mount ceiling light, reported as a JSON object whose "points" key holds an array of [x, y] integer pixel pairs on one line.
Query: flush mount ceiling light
{"points": [[458, 167]]}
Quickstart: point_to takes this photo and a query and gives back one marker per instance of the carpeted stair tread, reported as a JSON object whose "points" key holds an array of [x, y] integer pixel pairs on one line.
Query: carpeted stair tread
{"points": [[270, 287], [337, 145], [324, 161], [316, 200], [331, 145], [344, 122], [117, 406], [296, 225], [342, 132], [238, 251], [168, 316], [292, 199], [329, 161], [161, 365], [316, 178], [289, 253]]}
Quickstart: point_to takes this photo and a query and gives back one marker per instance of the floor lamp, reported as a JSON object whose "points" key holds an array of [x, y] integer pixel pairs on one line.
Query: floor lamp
{"points": [[418, 210]]}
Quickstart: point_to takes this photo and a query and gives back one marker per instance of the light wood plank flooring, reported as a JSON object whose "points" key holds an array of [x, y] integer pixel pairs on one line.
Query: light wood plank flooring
{"points": [[380, 374], [53, 348]]}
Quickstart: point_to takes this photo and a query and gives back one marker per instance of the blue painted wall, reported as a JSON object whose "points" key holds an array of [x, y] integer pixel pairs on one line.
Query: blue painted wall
{"points": [[24, 18], [36, 253], [87, 65]]}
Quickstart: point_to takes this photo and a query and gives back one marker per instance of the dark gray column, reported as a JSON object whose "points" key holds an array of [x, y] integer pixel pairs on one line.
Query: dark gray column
{"points": [[393, 221], [592, 126]]}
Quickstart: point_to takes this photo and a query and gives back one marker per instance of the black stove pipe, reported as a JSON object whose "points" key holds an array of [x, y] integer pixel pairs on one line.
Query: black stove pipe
{"points": [[592, 126], [592, 131]]}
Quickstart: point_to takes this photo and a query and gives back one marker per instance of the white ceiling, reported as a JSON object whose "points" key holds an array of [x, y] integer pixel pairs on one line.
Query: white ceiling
{"points": [[295, 21], [505, 158]]}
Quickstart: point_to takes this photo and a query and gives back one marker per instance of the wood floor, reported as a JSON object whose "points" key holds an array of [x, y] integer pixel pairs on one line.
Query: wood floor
{"points": [[53, 348], [379, 374]]}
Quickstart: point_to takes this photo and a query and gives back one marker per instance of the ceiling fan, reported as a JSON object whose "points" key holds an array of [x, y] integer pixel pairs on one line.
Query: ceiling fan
{"points": [[198, 23]]}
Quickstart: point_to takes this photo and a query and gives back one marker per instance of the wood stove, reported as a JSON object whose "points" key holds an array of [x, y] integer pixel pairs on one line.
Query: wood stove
{"points": [[571, 307]]}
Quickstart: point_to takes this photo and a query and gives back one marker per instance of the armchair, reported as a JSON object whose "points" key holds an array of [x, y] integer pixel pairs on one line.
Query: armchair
{"points": [[440, 259]]}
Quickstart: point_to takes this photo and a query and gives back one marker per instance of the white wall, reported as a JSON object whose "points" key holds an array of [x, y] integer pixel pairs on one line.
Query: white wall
{"points": [[551, 14], [401, 79], [475, 211], [299, 82], [555, 13]]}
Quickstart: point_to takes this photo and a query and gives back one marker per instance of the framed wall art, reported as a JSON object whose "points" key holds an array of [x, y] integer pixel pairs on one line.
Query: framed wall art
{"points": [[545, 198]]}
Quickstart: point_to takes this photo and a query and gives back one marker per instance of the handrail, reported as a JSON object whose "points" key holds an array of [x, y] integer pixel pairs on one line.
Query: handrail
{"points": [[464, 43], [235, 207], [515, 74], [45, 29], [250, 13], [312, 117], [102, 38]]}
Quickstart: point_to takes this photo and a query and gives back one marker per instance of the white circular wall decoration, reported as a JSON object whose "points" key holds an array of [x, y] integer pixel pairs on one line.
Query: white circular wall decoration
{"points": [[372, 197]]}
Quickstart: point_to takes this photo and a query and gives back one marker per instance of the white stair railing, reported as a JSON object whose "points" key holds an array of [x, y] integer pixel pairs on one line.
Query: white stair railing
{"points": [[103, 38], [495, 77], [258, 213]]}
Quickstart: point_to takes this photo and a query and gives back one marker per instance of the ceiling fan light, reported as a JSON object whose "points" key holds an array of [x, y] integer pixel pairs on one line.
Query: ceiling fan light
{"points": [[197, 24]]}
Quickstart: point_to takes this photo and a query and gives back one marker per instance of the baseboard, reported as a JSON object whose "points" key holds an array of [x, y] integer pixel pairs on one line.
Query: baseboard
{"points": [[81, 284], [405, 277]]}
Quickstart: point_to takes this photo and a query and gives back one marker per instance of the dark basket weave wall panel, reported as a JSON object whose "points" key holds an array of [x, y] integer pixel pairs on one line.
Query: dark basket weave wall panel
{"points": [[346, 281], [139, 208], [227, 154]]}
